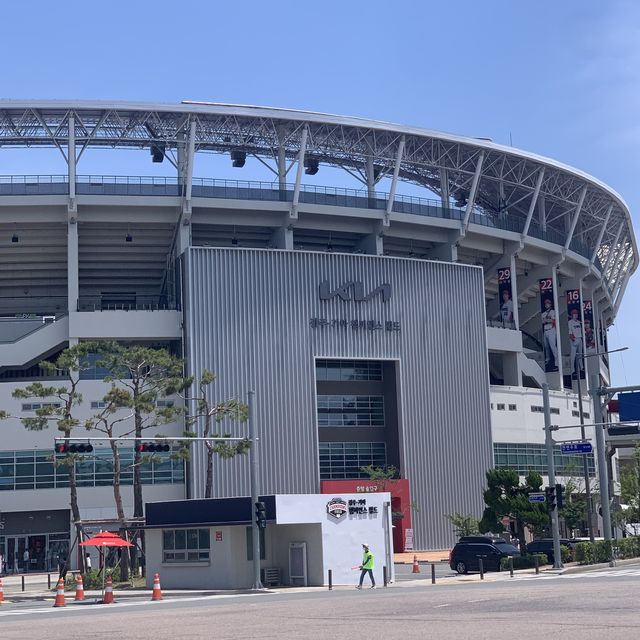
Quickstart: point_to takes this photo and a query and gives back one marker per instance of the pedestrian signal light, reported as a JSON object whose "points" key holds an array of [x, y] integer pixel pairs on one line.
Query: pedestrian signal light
{"points": [[560, 496], [550, 495], [261, 515], [152, 447]]}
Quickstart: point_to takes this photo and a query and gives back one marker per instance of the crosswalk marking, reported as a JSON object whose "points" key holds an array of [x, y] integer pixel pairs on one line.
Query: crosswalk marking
{"points": [[602, 573]]}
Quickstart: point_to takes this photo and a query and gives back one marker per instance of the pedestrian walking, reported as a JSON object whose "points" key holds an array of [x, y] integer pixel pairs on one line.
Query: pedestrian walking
{"points": [[25, 561], [87, 562], [367, 566]]}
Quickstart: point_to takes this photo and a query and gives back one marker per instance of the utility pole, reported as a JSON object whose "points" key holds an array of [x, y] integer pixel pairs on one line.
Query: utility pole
{"points": [[585, 464], [551, 471], [603, 474], [253, 464]]}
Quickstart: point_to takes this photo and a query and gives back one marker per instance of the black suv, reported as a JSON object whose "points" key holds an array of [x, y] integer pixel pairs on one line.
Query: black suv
{"points": [[466, 554], [545, 545]]}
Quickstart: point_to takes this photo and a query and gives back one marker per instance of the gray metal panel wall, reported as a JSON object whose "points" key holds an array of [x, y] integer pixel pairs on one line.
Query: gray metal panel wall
{"points": [[248, 318]]}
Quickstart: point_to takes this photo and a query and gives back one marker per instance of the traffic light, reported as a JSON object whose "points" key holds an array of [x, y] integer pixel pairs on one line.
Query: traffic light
{"points": [[560, 496], [73, 447], [152, 447], [550, 495], [261, 515]]}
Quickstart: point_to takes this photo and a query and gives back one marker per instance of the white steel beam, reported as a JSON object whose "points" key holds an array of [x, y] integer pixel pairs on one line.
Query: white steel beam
{"points": [[576, 215], [394, 181], [296, 188], [191, 143], [71, 165], [612, 248], [472, 194], [534, 202], [444, 188], [601, 234], [623, 288]]}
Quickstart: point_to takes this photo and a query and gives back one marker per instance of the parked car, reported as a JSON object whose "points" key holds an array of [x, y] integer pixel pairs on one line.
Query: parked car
{"points": [[545, 545], [466, 555]]}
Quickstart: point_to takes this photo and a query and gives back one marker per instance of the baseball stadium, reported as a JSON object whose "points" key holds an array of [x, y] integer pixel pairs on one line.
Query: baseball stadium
{"points": [[395, 296]]}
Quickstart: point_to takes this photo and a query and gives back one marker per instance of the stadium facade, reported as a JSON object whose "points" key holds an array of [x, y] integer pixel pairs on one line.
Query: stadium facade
{"points": [[377, 326]]}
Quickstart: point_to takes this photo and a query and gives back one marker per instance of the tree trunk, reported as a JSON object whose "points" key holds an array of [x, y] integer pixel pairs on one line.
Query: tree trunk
{"points": [[75, 510], [138, 507], [117, 495], [208, 490]]}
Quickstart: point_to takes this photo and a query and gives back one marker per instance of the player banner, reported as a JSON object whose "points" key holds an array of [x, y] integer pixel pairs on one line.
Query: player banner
{"points": [[506, 297], [576, 340], [549, 330], [589, 333]]}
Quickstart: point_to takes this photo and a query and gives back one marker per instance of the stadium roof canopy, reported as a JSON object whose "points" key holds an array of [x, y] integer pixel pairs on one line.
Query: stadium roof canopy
{"points": [[508, 188]]}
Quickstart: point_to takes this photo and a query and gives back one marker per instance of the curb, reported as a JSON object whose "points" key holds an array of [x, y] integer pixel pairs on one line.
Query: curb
{"points": [[582, 568]]}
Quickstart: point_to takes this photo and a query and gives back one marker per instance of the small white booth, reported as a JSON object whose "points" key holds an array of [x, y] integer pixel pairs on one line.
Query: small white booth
{"points": [[207, 544]]}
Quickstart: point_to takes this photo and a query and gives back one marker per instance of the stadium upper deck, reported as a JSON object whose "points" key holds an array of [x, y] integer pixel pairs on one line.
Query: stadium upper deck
{"points": [[484, 203]]}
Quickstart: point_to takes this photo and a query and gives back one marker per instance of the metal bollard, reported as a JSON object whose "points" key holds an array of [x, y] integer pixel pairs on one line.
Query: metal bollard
{"points": [[536, 564], [511, 566], [330, 580], [48, 581], [481, 568], [433, 573], [22, 580], [384, 576]]}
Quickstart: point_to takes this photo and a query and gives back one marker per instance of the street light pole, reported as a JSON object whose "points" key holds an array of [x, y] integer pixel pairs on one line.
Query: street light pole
{"points": [[603, 474], [585, 463], [551, 472]]}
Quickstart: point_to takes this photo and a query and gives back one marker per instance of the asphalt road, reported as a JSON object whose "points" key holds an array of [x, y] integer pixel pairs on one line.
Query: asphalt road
{"points": [[586, 607]]}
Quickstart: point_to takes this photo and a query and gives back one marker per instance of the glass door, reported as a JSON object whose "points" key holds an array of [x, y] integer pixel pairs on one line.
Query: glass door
{"points": [[16, 560]]}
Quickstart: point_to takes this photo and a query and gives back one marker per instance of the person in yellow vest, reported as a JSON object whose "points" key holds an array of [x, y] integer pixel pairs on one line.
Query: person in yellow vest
{"points": [[366, 566]]}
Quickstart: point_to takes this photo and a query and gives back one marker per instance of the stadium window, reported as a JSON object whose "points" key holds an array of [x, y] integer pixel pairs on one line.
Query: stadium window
{"points": [[513, 407], [34, 406], [500, 406], [575, 414], [554, 410]]}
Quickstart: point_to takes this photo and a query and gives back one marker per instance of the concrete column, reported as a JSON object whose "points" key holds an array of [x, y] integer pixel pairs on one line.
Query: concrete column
{"points": [[282, 237], [73, 281], [447, 252], [372, 244]]}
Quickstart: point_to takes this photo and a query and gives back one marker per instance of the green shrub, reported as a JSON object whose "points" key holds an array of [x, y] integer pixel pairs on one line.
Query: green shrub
{"points": [[565, 553], [602, 550], [584, 553], [629, 547], [92, 579], [525, 561]]}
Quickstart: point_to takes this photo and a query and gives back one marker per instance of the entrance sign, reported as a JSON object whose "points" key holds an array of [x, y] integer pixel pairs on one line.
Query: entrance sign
{"points": [[536, 497]]}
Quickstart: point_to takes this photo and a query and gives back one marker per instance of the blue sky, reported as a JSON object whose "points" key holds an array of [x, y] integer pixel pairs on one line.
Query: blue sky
{"points": [[560, 79]]}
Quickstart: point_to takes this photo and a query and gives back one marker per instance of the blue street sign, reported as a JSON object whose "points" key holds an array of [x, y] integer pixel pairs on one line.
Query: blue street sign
{"points": [[536, 497], [576, 447]]}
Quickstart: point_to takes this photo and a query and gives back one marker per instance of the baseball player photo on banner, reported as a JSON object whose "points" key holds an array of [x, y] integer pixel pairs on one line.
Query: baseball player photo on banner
{"points": [[549, 329], [574, 326], [589, 333], [506, 297]]}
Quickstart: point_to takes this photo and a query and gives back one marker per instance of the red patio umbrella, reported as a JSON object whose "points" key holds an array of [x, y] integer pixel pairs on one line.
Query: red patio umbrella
{"points": [[105, 539]]}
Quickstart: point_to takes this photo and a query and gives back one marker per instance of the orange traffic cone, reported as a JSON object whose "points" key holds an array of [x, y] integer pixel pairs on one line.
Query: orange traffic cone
{"points": [[157, 592], [416, 566], [79, 588], [1, 592], [59, 594], [108, 592]]}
